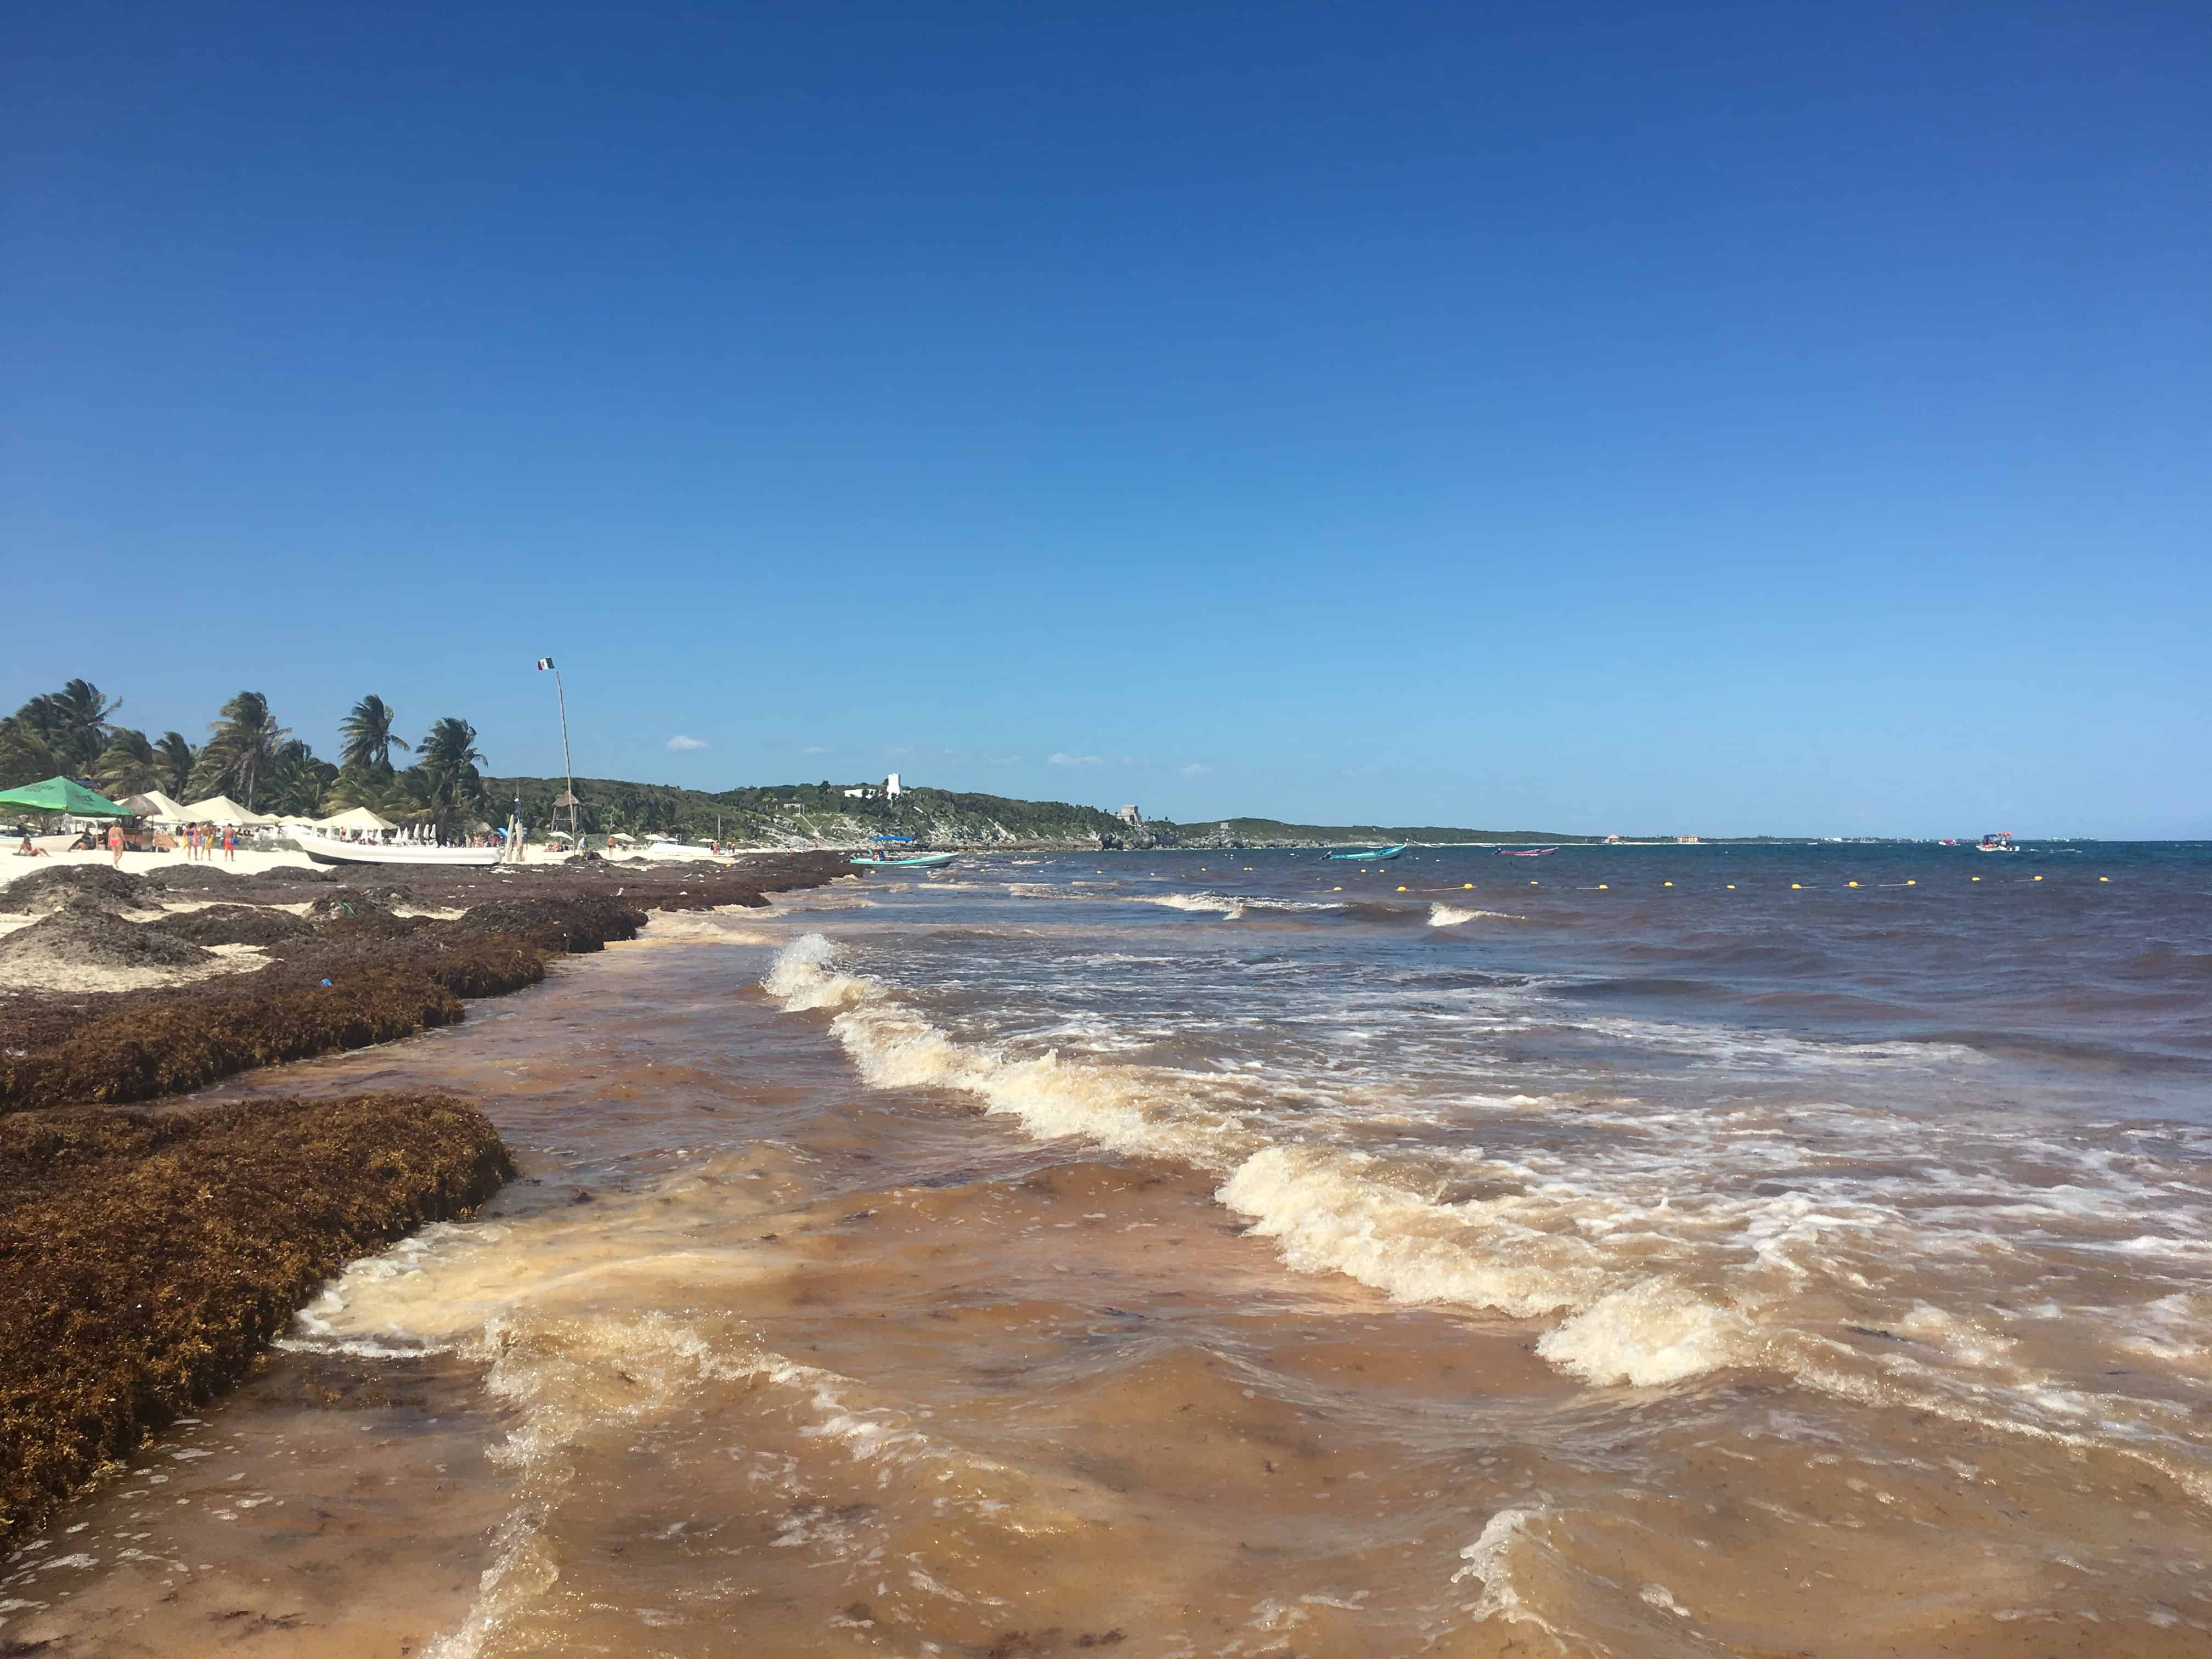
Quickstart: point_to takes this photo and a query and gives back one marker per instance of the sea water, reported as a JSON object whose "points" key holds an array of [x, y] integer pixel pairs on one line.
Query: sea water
{"points": [[1631, 1250]]}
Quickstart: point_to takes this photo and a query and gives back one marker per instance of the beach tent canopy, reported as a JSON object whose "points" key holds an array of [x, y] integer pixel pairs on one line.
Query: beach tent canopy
{"points": [[156, 805], [60, 795], [221, 809], [355, 817]]}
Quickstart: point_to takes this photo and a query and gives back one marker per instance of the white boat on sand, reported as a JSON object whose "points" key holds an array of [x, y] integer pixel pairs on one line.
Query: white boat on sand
{"points": [[323, 850]]}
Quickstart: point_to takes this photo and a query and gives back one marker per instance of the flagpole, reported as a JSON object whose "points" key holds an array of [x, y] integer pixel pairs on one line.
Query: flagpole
{"points": [[561, 692]]}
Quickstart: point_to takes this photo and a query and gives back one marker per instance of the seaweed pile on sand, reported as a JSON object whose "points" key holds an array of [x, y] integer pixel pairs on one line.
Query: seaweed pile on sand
{"points": [[75, 936], [146, 1259], [75, 886], [358, 974], [235, 924], [350, 913]]}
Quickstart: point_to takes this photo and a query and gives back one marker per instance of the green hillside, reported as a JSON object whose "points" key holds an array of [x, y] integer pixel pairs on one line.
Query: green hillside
{"points": [[804, 814], [809, 814]]}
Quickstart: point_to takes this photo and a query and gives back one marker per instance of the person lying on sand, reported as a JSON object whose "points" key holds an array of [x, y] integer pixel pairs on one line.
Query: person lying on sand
{"points": [[28, 851]]}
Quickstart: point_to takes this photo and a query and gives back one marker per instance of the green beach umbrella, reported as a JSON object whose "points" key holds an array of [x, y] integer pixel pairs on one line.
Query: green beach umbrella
{"points": [[60, 795]]}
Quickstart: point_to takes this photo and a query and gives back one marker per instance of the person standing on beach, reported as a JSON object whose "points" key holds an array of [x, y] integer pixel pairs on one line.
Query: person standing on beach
{"points": [[229, 844], [115, 843]]}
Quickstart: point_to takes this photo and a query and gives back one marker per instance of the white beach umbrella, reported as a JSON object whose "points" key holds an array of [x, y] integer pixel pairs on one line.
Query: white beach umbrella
{"points": [[221, 809], [356, 818]]}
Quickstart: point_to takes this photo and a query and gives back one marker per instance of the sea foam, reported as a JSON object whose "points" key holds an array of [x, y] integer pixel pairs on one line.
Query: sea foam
{"points": [[1329, 1209]]}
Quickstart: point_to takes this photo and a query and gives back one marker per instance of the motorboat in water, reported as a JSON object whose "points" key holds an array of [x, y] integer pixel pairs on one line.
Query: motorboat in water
{"points": [[1524, 852], [1997, 840], [918, 861], [1376, 856]]}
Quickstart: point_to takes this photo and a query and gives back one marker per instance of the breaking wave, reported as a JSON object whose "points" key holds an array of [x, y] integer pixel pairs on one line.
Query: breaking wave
{"points": [[1613, 1269], [1328, 1208], [1450, 915]]}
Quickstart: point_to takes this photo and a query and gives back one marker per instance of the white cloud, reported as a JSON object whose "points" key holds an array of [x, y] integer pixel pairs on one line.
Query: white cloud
{"points": [[814, 748], [1196, 769], [681, 745], [1058, 758]]}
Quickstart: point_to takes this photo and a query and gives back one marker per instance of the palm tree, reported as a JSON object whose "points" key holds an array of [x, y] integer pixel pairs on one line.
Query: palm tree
{"points": [[83, 708], [177, 757], [128, 766], [357, 789], [297, 780], [70, 724], [242, 751], [26, 756], [368, 737], [448, 759]]}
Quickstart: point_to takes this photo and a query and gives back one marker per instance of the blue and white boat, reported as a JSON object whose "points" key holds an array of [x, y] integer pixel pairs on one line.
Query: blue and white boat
{"points": [[1373, 857], [918, 861]]}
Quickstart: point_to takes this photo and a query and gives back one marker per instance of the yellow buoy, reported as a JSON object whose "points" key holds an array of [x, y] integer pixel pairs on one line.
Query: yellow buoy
{"points": [[2037, 877], [1796, 885], [1910, 882], [1402, 890], [1731, 887], [1336, 890], [1600, 887], [1468, 886], [1532, 883], [1973, 877], [2104, 878], [1666, 883], [1850, 883]]}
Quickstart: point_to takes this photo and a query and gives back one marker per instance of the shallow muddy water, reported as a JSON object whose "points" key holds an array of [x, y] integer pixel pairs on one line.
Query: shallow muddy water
{"points": [[1237, 1255]]}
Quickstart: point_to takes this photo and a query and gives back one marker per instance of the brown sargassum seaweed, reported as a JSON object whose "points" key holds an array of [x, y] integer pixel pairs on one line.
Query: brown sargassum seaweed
{"points": [[389, 976], [147, 1258]]}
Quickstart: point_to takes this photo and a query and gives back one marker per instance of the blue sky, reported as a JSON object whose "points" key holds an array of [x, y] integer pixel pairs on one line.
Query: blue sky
{"points": [[1714, 418]]}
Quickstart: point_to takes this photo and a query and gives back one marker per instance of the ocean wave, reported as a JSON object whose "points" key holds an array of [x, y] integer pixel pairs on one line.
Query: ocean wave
{"points": [[1450, 915], [1328, 1208], [1214, 903], [1506, 1532], [1659, 1246], [1234, 906]]}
